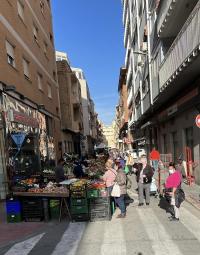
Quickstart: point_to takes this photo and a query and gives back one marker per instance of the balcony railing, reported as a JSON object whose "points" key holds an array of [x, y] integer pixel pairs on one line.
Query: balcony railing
{"points": [[183, 49], [146, 102], [139, 111], [137, 82], [130, 96], [163, 12]]}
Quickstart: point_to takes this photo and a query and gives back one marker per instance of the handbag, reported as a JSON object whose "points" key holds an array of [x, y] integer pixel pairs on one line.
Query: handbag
{"points": [[116, 191]]}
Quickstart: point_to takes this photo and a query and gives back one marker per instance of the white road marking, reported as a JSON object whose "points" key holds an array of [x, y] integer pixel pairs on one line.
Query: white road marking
{"points": [[23, 248], [161, 240], [114, 241], [70, 239], [190, 221]]}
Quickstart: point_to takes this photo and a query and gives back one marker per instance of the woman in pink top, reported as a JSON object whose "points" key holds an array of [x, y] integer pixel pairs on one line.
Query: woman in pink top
{"points": [[110, 175], [173, 183]]}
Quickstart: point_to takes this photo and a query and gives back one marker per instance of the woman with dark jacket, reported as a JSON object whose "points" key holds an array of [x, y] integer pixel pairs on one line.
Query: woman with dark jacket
{"points": [[144, 174], [121, 181]]}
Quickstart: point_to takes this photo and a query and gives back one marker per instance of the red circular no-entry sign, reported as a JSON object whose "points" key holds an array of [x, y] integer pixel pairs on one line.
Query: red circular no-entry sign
{"points": [[198, 120]]}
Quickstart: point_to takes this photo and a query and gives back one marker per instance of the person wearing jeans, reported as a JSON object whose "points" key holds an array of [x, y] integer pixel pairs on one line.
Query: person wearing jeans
{"points": [[121, 181], [155, 157]]}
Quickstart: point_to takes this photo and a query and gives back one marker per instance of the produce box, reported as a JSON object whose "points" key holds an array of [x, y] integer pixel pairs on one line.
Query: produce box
{"points": [[100, 200], [14, 218], [78, 194], [54, 208], [79, 209], [78, 201], [80, 217], [13, 206], [92, 193]]}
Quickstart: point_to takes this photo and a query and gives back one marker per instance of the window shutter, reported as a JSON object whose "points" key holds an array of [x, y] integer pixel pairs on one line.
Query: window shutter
{"points": [[26, 67], [9, 49], [20, 8]]}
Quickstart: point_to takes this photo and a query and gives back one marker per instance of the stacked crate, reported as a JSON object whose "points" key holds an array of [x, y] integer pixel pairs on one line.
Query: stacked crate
{"points": [[32, 209], [79, 204], [13, 210], [100, 209]]}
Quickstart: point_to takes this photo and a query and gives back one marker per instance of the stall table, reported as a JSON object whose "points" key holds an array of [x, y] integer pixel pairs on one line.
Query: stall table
{"points": [[62, 196]]}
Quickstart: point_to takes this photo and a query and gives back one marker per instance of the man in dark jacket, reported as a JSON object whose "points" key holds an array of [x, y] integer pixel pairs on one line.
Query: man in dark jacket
{"points": [[59, 171], [144, 174]]}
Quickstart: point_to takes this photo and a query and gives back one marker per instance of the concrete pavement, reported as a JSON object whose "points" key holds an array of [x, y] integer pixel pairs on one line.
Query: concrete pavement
{"points": [[145, 231]]}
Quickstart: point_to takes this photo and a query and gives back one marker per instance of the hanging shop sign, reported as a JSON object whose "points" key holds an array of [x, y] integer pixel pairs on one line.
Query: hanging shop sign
{"points": [[18, 138]]}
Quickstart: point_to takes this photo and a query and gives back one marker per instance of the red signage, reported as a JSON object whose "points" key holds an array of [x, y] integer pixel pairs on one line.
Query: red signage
{"points": [[25, 119], [198, 120]]}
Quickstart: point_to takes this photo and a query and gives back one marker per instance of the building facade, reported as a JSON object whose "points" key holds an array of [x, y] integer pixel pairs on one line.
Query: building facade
{"points": [[109, 135], [70, 106], [89, 115], [162, 42], [28, 88]]}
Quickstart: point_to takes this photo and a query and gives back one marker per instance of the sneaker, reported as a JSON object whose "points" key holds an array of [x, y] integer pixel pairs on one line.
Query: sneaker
{"points": [[121, 216], [140, 204], [174, 219]]}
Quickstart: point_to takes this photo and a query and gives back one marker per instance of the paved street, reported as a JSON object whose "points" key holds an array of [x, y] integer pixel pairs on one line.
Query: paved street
{"points": [[145, 231]]}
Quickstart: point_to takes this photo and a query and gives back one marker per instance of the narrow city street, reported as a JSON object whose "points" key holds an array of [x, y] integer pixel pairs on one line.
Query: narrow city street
{"points": [[145, 231]]}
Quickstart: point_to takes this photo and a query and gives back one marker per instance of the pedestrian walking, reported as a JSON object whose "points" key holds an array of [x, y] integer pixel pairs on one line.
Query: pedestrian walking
{"points": [[173, 185], [121, 181], [155, 157], [144, 174], [110, 175], [129, 162]]}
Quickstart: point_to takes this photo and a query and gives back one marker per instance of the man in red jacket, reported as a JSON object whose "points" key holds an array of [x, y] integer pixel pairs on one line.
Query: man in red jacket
{"points": [[155, 157]]}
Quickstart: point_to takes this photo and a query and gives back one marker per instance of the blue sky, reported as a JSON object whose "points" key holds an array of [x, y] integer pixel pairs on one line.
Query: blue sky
{"points": [[91, 33]]}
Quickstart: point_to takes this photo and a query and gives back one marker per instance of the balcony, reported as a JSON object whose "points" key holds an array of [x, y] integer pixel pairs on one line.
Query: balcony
{"points": [[138, 111], [137, 82], [172, 14], [146, 102], [181, 63], [130, 96]]}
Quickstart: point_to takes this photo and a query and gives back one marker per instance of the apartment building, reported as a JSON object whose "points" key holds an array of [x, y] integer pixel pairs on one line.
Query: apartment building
{"points": [[89, 115], [29, 101], [122, 112], [109, 135], [70, 106], [166, 94]]}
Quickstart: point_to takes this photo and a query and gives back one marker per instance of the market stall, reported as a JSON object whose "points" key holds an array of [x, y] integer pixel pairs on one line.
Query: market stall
{"points": [[80, 199]]}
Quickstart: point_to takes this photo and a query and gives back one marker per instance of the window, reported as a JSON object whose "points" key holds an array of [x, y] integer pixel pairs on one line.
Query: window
{"points": [[26, 68], [35, 33], [42, 6], [45, 48], [54, 75], [49, 91], [10, 54], [40, 82], [20, 8], [51, 37]]}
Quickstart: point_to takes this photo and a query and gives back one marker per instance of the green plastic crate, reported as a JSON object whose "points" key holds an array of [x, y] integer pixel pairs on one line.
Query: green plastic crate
{"points": [[79, 209], [92, 193], [14, 218], [54, 208], [78, 201]]}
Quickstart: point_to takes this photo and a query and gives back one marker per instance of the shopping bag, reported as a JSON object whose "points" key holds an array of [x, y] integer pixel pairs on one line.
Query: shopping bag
{"points": [[126, 169], [116, 191]]}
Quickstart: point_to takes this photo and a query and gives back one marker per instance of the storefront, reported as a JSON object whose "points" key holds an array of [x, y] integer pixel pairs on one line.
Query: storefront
{"points": [[29, 146]]}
